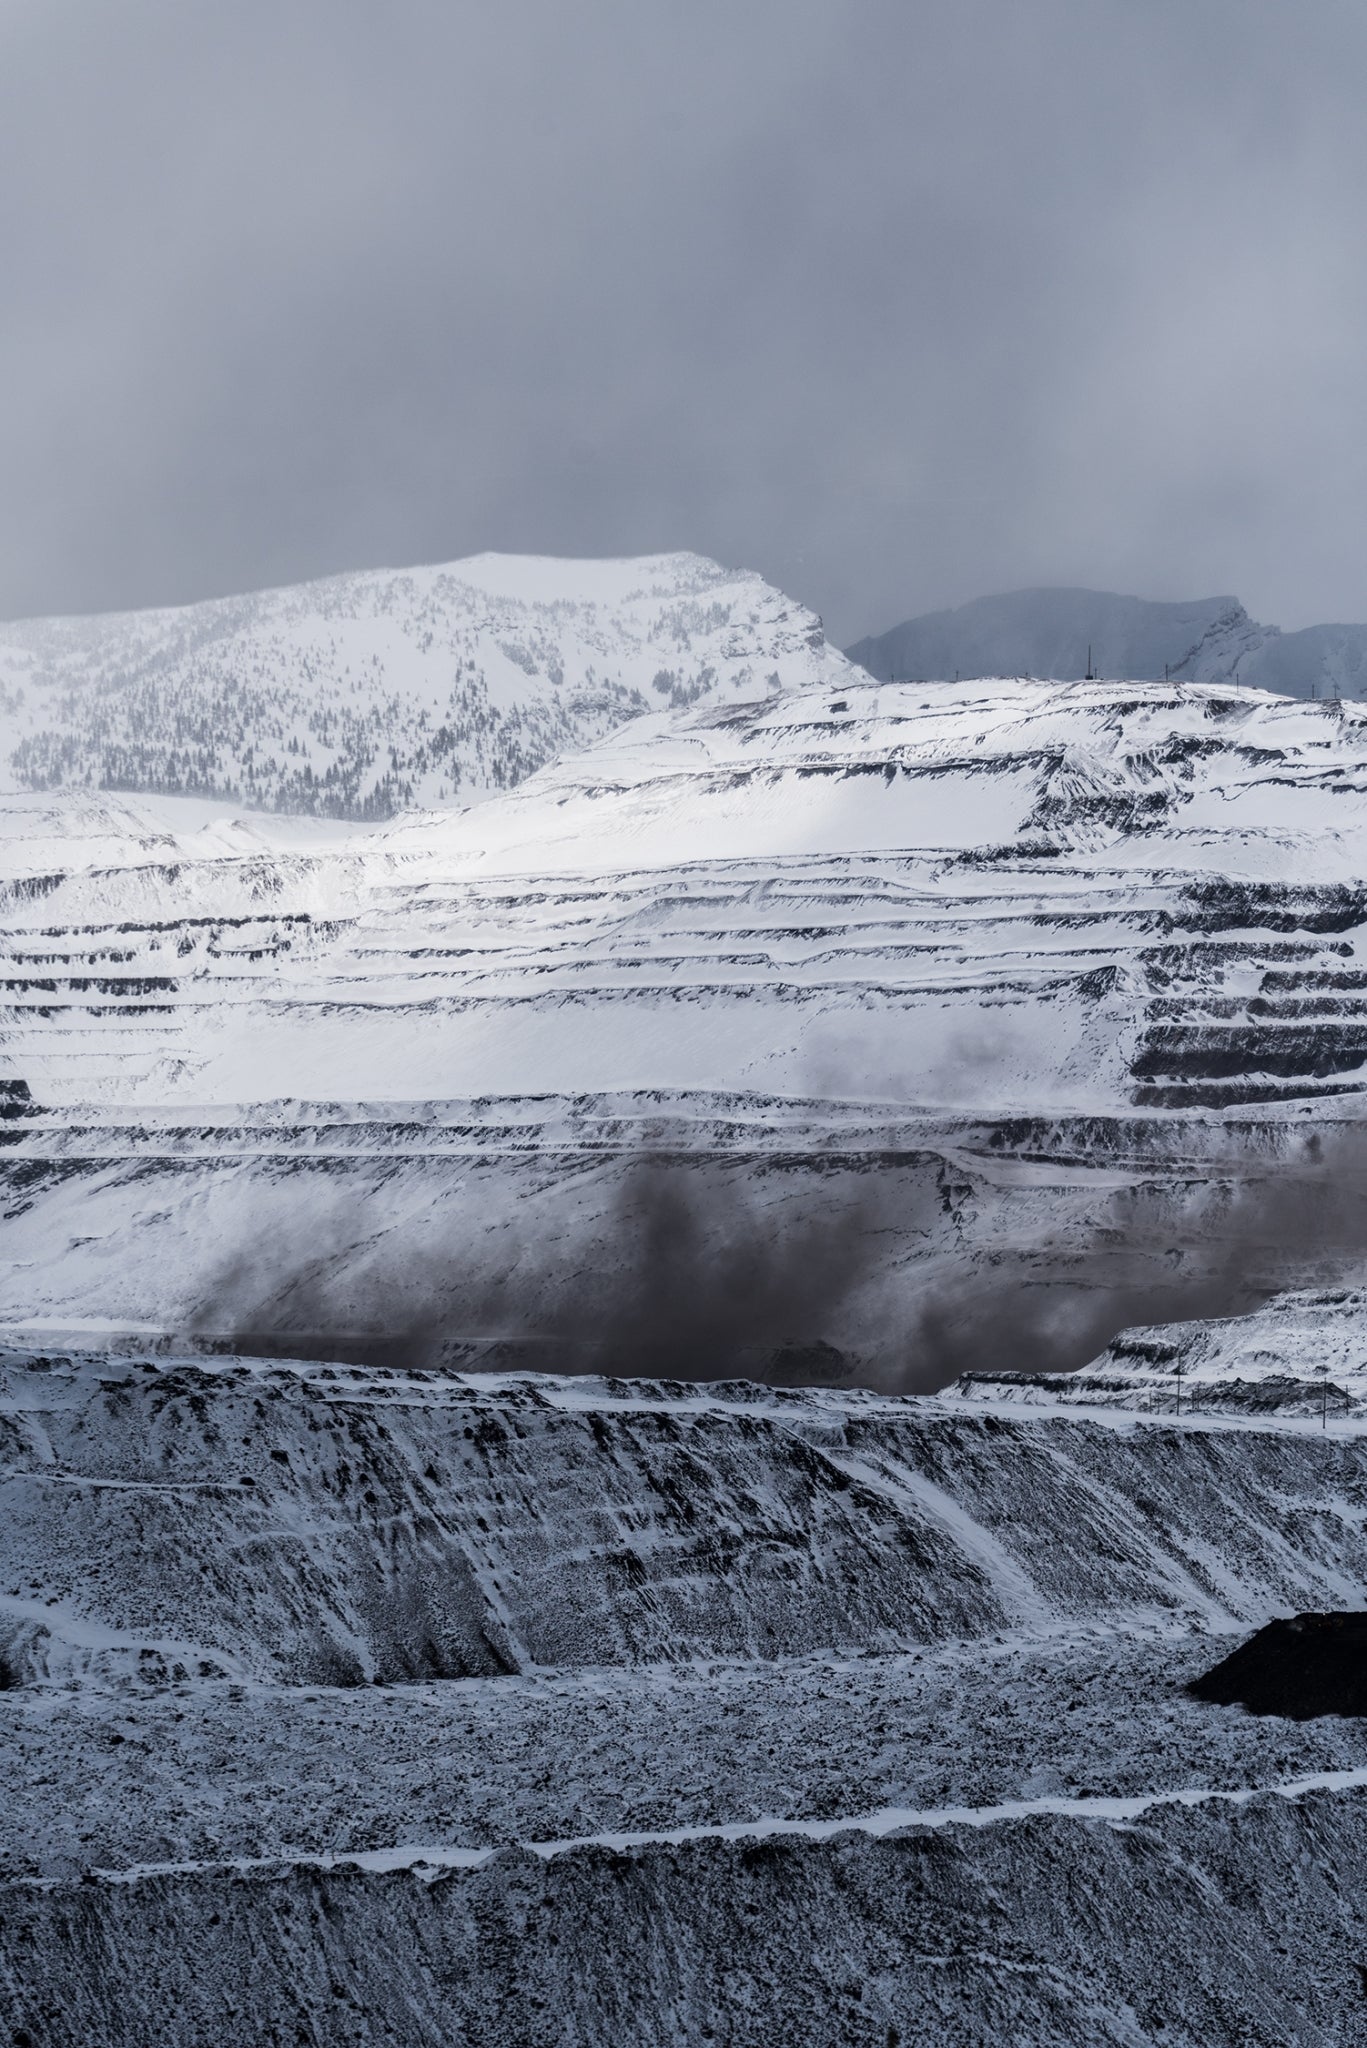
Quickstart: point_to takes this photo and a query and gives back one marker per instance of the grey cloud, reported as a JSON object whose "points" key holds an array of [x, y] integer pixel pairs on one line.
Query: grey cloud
{"points": [[895, 302]]}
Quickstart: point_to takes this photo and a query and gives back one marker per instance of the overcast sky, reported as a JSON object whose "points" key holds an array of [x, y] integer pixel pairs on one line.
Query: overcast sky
{"points": [[897, 301]]}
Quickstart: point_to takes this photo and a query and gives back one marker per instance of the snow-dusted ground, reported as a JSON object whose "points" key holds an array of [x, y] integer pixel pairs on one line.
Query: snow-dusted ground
{"points": [[363, 1704]]}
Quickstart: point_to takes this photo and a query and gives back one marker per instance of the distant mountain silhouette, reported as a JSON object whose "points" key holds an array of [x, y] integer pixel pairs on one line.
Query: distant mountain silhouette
{"points": [[1052, 632]]}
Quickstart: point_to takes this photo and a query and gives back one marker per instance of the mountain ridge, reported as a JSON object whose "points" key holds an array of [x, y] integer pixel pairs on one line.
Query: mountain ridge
{"points": [[361, 694], [1061, 631]]}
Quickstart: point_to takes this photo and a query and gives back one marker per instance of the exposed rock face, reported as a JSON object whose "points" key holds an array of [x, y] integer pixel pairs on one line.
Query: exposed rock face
{"points": [[1297, 1668], [405, 1526]]}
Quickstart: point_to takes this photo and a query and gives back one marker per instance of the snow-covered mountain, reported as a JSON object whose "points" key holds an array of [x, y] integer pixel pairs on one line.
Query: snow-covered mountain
{"points": [[1318, 661], [361, 694], [1057, 633]]}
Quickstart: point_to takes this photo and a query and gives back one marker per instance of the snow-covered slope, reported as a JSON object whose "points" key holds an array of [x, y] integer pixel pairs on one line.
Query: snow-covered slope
{"points": [[1201, 778], [1011, 898], [1056, 633], [361, 694], [444, 1525], [1298, 1354], [399, 1707], [1058, 989]]}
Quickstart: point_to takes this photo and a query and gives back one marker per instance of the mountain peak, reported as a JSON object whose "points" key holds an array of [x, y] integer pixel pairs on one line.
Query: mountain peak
{"points": [[1058, 632], [361, 694]]}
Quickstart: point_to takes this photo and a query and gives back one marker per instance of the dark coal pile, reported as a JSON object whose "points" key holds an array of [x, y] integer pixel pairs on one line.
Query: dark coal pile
{"points": [[1300, 1668]]}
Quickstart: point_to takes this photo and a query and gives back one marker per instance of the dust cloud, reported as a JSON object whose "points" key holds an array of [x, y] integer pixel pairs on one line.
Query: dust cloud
{"points": [[694, 1272]]}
